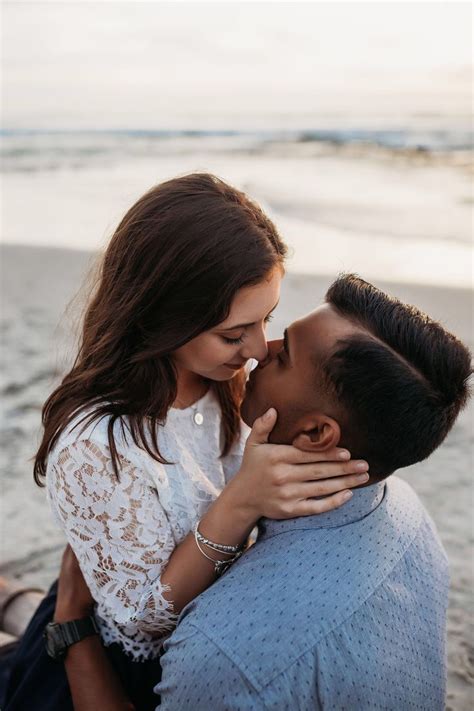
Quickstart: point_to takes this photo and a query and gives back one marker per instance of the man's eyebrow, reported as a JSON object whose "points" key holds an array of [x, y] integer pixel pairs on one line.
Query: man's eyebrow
{"points": [[247, 325]]}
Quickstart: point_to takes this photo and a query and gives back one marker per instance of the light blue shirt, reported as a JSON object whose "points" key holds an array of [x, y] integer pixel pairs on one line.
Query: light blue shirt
{"points": [[346, 610]]}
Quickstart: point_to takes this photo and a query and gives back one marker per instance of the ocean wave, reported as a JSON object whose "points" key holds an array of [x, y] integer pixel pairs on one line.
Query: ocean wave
{"points": [[38, 150]]}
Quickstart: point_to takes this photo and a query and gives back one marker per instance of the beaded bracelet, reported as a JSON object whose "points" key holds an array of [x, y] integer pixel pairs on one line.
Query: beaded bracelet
{"points": [[220, 547], [220, 566]]}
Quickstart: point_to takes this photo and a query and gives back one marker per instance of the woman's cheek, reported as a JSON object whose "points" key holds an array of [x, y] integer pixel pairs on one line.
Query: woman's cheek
{"points": [[226, 354], [217, 354]]}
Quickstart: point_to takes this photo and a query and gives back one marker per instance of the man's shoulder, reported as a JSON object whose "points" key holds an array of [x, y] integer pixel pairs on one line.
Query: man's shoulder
{"points": [[291, 590]]}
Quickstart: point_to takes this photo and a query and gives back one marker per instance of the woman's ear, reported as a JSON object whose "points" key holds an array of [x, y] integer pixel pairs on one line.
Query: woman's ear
{"points": [[318, 433]]}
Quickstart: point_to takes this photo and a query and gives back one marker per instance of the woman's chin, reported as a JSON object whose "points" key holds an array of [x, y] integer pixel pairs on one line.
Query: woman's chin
{"points": [[223, 373]]}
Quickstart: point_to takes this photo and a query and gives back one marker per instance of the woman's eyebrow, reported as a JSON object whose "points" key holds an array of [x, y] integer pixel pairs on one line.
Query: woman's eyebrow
{"points": [[237, 325], [246, 325]]}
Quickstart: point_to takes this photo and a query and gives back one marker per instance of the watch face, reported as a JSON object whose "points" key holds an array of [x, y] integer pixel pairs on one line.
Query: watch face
{"points": [[54, 641]]}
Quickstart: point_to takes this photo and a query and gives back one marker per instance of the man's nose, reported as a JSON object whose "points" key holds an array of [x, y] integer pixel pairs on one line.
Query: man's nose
{"points": [[272, 349]]}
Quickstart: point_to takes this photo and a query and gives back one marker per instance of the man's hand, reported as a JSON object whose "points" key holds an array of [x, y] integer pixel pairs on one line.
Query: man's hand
{"points": [[74, 599]]}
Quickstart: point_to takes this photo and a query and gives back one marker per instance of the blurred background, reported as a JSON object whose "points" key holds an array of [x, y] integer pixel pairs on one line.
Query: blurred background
{"points": [[349, 122]]}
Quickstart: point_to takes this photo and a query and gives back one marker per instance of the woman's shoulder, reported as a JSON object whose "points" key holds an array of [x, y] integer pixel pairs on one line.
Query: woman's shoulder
{"points": [[88, 430], [85, 440], [87, 425]]}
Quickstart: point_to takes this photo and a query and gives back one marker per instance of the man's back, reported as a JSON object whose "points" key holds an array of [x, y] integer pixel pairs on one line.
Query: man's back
{"points": [[340, 611]]}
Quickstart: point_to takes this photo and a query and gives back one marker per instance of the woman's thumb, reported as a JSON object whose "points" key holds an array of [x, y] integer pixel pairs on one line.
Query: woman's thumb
{"points": [[262, 427]]}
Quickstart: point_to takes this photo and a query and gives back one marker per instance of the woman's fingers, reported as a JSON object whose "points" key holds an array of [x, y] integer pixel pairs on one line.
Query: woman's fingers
{"points": [[311, 507], [308, 490], [313, 497], [327, 470], [293, 455]]}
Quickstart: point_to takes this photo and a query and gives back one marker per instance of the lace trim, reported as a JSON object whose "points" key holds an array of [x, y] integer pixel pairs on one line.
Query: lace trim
{"points": [[122, 539]]}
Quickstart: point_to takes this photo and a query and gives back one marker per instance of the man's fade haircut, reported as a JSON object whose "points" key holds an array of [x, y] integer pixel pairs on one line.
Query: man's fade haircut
{"points": [[401, 384]]}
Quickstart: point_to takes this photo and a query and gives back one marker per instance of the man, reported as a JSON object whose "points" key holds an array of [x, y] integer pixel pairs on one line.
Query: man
{"points": [[345, 610]]}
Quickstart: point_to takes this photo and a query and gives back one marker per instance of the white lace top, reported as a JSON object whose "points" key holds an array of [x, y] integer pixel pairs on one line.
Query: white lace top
{"points": [[124, 530]]}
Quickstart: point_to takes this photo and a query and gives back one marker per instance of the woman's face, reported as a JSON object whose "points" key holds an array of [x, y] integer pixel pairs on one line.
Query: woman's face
{"points": [[218, 354]]}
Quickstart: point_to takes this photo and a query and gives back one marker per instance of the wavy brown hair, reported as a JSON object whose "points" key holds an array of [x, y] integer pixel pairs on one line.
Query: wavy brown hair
{"points": [[170, 272]]}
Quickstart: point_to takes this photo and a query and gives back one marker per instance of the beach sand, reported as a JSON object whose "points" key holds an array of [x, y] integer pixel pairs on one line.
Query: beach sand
{"points": [[38, 283]]}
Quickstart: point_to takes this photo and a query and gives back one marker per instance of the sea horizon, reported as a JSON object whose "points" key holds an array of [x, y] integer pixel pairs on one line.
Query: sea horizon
{"points": [[390, 203]]}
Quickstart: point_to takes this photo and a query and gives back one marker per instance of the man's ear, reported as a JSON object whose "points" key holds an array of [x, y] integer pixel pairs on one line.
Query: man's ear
{"points": [[317, 433]]}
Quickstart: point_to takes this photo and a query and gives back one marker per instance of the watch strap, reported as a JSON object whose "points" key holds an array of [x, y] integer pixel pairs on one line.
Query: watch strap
{"points": [[75, 630]]}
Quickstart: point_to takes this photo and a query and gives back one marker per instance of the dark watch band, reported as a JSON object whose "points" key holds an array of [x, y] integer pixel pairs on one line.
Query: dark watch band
{"points": [[75, 630], [59, 636]]}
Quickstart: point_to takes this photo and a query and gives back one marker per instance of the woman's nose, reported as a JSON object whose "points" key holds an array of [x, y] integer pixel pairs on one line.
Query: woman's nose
{"points": [[256, 347], [272, 349]]}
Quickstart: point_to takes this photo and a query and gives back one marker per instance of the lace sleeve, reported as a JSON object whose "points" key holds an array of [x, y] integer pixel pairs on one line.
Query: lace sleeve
{"points": [[118, 531], [233, 460]]}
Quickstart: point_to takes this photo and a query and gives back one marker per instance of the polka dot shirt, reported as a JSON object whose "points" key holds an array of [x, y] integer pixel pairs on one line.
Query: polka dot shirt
{"points": [[342, 611]]}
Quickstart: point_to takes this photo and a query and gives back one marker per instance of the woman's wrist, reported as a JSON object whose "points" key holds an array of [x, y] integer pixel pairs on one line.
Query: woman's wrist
{"points": [[238, 495], [229, 520]]}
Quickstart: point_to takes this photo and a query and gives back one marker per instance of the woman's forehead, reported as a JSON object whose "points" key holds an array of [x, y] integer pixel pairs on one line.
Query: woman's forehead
{"points": [[253, 303]]}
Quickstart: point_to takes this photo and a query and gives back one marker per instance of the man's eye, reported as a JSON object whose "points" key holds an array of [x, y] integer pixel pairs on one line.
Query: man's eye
{"points": [[268, 318]]}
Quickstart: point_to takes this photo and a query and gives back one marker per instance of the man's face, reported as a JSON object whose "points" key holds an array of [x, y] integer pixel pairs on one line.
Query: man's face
{"points": [[290, 379]]}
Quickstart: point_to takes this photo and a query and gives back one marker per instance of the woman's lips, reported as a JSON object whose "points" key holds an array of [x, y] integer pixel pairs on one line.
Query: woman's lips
{"points": [[234, 366]]}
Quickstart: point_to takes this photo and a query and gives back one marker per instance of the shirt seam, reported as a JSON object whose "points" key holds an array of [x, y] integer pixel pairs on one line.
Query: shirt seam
{"points": [[315, 646], [241, 672]]}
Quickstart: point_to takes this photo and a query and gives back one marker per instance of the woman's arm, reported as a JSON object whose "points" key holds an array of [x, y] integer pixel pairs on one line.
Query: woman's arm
{"points": [[275, 481], [268, 483], [123, 540]]}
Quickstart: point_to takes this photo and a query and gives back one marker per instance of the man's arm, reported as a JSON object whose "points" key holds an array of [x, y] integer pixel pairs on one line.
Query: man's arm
{"points": [[92, 681]]}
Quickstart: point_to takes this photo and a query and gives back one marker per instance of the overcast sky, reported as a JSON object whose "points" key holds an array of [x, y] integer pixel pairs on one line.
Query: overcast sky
{"points": [[196, 65]]}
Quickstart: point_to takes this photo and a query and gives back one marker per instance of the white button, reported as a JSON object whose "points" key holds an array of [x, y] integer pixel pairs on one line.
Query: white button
{"points": [[198, 418]]}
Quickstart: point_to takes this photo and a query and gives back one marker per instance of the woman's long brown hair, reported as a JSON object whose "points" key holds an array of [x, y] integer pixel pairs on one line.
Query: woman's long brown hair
{"points": [[170, 272]]}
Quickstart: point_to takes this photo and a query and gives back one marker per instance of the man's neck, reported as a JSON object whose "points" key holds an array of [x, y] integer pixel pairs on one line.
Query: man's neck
{"points": [[363, 502]]}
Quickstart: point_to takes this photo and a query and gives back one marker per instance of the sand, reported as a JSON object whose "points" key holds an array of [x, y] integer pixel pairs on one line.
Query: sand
{"points": [[37, 283]]}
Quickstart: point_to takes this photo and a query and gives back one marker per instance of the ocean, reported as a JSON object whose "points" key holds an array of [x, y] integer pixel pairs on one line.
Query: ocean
{"points": [[392, 204]]}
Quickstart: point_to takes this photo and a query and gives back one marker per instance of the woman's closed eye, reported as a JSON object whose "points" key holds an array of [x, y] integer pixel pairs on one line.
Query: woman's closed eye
{"points": [[234, 341], [240, 339]]}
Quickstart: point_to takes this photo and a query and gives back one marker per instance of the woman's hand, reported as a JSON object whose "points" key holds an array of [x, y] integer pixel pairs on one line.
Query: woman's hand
{"points": [[281, 481], [74, 599]]}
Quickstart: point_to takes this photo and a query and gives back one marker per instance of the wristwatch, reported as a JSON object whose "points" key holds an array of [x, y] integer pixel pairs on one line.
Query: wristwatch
{"points": [[59, 636]]}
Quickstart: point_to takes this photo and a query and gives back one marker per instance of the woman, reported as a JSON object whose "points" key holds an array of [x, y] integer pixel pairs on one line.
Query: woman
{"points": [[143, 447]]}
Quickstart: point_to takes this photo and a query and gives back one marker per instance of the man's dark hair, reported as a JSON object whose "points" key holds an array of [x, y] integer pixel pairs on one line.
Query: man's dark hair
{"points": [[401, 382]]}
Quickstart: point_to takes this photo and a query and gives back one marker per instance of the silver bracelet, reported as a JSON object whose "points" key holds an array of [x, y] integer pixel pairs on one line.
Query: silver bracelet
{"points": [[220, 547], [220, 566]]}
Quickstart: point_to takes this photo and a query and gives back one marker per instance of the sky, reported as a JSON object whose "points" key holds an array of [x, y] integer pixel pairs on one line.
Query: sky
{"points": [[230, 65]]}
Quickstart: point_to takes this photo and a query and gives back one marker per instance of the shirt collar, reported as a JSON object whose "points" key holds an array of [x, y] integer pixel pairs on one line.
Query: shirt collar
{"points": [[363, 502]]}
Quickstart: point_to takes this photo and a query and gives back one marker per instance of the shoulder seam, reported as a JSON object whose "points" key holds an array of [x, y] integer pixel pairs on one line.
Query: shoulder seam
{"points": [[226, 655], [315, 646], [342, 622]]}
